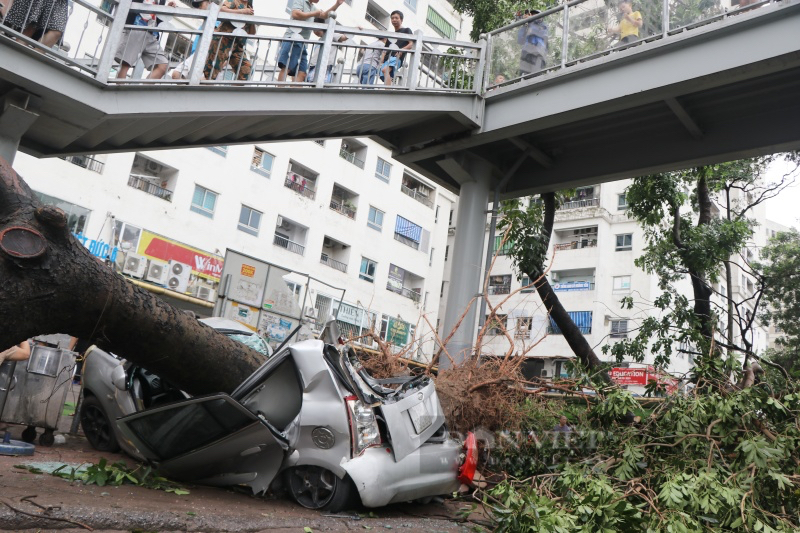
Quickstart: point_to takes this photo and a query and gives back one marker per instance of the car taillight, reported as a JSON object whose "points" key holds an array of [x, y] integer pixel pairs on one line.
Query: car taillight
{"points": [[364, 430], [466, 472]]}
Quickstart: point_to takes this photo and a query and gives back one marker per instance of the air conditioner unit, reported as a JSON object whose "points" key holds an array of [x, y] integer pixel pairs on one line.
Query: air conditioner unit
{"points": [[207, 293], [310, 312], [554, 276], [178, 276], [279, 222], [156, 272], [134, 265], [152, 166]]}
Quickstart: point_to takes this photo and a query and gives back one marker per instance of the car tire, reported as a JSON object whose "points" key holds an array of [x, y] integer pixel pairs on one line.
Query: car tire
{"points": [[97, 427], [317, 488]]}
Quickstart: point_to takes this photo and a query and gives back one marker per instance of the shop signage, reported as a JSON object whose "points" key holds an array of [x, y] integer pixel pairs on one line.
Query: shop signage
{"points": [[204, 264], [629, 376], [398, 332]]}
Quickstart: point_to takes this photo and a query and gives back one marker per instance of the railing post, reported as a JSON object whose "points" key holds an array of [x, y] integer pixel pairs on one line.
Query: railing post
{"points": [[665, 18], [203, 46], [112, 42], [321, 68], [479, 79], [565, 36], [416, 60]]}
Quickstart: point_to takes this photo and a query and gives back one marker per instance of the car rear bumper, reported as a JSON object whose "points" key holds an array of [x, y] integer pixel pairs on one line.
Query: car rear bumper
{"points": [[430, 470]]}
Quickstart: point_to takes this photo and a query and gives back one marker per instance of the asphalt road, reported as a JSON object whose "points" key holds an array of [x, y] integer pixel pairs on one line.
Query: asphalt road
{"points": [[43, 502]]}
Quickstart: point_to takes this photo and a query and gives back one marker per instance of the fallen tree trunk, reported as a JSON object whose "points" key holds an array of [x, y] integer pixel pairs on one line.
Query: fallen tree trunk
{"points": [[52, 284]]}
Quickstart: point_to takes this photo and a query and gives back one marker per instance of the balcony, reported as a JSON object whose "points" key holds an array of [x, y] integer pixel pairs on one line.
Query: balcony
{"points": [[333, 263], [292, 246], [352, 158], [582, 202], [342, 208], [405, 240], [416, 195], [299, 184], [86, 161], [575, 245], [404, 291], [144, 183]]}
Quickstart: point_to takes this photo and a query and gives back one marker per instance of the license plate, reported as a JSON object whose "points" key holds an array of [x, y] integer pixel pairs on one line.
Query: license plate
{"points": [[420, 418]]}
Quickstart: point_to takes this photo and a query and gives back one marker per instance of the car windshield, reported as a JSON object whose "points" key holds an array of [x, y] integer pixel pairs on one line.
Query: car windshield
{"points": [[251, 340]]}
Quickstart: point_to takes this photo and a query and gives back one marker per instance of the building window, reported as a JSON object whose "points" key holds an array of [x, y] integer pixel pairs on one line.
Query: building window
{"points": [[582, 319], [249, 220], [523, 330], [383, 170], [624, 242], [622, 284], [496, 325], [375, 218], [367, 271], [619, 329], [219, 150], [526, 282], [203, 201], [430, 259], [262, 162], [506, 246], [440, 25], [441, 291], [436, 215], [446, 252], [500, 284], [411, 4], [622, 202], [450, 219], [77, 216]]}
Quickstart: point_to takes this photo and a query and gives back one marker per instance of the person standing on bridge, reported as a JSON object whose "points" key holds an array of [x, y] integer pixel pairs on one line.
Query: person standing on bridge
{"points": [[142, 43], [230, 50], [629, 24], [533, 38], [293, 57], [396, 55], [34, 16]]}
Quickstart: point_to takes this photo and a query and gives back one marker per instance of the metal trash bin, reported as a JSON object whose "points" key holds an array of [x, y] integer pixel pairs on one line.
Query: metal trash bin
{"points": [[38, 390]]}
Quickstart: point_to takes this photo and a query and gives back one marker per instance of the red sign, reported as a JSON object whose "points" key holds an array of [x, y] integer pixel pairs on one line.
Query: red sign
{"points": [[629, 376], [204, 264]]}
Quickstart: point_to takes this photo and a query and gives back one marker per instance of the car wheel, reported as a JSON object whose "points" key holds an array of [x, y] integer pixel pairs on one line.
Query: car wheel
{"points": [[314, 487], [97, 427]]}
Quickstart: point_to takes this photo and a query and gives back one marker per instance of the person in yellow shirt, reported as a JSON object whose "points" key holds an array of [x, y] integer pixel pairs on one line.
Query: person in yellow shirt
{"points": [[629, 24]]}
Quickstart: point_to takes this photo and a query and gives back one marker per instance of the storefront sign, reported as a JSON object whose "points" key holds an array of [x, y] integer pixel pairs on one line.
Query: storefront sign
{"points": [[204, 264], [398, 332], [100, 248], [350, 314], [573, 286], [248, 271], [629, 376]]}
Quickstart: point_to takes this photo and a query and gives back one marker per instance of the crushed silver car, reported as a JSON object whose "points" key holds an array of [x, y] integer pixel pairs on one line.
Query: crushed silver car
{"points": [[310, 419]]}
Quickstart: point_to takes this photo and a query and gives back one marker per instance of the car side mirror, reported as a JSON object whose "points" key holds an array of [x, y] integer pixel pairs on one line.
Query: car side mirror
{"points": [[118, 378]]}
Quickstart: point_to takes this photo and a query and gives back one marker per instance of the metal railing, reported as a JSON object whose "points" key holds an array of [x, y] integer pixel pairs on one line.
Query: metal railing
{"points": [[583, 202], [352, 158], [581, 30], [341, 208], [143, 183], [292, 246], [421, 198], [86, 161], [404, 291], [571, 32], [574, 245], [333, 263], [298, 186]]}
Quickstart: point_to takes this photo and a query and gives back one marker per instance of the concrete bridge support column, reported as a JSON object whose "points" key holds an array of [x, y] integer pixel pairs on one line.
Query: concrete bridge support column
{"points": [[15, 119], [474, 176]]}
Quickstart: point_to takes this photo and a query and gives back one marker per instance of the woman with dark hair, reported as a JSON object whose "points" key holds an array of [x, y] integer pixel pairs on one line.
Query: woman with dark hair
{"points": [[47, 16]]}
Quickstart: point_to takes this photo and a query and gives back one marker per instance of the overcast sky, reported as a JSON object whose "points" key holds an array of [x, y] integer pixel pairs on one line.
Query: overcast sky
{"points": [[785, 208]]}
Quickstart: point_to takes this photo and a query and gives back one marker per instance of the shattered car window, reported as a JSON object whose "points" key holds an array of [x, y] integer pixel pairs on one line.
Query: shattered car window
{"points": [[252, 341]]}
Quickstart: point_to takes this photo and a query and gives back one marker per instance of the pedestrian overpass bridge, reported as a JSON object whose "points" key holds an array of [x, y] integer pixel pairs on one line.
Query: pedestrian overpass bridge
{"points": [[696, 88]]}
